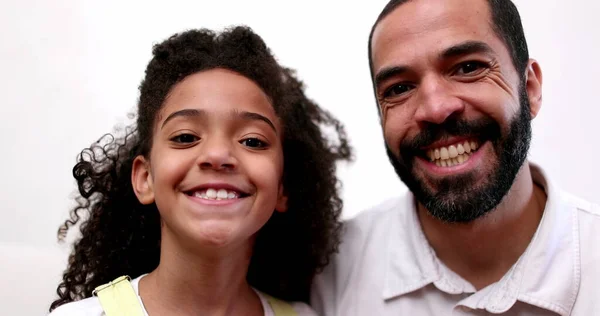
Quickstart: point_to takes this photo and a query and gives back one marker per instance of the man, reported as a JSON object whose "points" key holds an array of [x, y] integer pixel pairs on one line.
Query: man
{"points": [[483, 230]]}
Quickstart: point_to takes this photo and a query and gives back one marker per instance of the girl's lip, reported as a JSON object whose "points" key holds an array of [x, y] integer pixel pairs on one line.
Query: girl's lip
{"points": [[215, 202]]}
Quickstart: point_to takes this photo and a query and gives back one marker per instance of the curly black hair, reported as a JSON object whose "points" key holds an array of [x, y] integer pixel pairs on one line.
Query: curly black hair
{"points": [[120, 236]]}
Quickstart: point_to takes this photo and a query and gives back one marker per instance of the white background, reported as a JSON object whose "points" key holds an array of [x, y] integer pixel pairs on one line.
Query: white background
{"points": [[70, 71]]}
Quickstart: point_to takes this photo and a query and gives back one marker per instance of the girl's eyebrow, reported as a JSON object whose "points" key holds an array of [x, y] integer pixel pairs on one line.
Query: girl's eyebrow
{"points": [[253, 116], [184, 113], [243, 115]]}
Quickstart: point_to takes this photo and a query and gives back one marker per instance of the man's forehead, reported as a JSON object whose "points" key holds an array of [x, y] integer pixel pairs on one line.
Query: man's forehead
{"points": [[447, 20]]}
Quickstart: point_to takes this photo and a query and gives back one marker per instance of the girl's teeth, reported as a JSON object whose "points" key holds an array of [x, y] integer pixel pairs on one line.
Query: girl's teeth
{"points": [[212, 194], [222, 194]]}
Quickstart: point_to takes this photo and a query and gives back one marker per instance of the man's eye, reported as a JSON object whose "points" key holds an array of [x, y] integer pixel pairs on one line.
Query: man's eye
{"points": [[397, 90], [253, 142], [470, 68], [185, 138]]}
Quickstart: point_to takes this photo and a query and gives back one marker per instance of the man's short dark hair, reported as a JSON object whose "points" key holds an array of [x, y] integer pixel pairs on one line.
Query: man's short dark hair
{"points": [[506, 22]]}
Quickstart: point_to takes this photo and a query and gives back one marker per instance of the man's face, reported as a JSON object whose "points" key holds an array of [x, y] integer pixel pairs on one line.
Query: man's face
{"points": [[455, 114]]}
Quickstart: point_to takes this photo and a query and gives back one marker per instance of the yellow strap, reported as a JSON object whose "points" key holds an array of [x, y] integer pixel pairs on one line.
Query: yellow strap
{"points": [[280, 308], [118, 298]]}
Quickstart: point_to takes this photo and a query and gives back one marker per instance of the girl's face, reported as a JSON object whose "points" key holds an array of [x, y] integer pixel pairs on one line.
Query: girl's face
{"points": [[216, 164]]}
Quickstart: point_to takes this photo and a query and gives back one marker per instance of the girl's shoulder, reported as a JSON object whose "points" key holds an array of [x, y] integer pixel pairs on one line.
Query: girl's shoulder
{"points": [[268, 302], [89, 306], [302, 309], [86, 307]]}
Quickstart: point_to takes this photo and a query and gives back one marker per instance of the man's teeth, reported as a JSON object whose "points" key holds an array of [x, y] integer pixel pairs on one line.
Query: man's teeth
{"points": [[213, 194], [452, 155]]}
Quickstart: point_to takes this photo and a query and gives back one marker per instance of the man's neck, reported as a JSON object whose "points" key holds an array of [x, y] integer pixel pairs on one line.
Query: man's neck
{"points": [[484, 250], [203, 282]]}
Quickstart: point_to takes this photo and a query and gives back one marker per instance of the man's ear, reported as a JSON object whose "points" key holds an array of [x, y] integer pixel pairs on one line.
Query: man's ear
{"points": [[141, 180], [534, 86], [282, 199]]}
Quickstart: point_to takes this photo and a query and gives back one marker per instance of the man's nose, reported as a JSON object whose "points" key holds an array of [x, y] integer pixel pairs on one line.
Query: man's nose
{"points": [[437, 102]]}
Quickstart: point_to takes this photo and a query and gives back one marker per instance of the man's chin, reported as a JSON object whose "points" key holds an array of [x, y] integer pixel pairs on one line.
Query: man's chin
{"points": [[456, 199]]}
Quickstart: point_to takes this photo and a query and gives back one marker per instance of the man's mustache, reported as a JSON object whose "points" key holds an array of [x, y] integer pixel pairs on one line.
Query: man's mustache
{"points": [[482, 129]]}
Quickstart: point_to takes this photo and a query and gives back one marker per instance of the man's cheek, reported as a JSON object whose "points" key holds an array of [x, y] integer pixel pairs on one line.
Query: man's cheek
{"points": [[392, 145], [393, 133]]}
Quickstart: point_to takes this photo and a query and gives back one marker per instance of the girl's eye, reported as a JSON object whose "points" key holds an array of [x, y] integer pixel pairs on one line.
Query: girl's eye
{"points": [[471, 68], [253, 142], [397, 90], [185, 138]]}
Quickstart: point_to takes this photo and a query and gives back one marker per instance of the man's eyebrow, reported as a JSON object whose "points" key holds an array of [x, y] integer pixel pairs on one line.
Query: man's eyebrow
{"points": [[184, 113], [466, 48], [389, 72]]}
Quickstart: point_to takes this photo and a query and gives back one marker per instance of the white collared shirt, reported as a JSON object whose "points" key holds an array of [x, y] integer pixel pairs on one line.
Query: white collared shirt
{"points": [[386, 267]]}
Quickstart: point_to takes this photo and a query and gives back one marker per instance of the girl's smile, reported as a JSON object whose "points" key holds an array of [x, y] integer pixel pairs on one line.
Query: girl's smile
{"points": [[216, 163]]}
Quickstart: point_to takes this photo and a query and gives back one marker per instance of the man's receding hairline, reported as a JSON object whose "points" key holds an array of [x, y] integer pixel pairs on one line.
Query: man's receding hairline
{"points": [[491, 24]]}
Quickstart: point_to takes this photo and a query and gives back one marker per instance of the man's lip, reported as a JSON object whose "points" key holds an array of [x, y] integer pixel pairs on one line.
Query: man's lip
{"points": [[447, 142], [217, 186]]}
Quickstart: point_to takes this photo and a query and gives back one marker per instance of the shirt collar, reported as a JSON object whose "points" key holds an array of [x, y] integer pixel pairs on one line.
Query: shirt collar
{"points": [[547, 275]]}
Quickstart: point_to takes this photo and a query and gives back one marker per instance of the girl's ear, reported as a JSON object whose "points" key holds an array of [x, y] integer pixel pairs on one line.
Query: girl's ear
{"points": [[282, 199], [141, 180]]}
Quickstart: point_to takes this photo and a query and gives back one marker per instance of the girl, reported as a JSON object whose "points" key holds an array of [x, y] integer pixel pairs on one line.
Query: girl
{"points": [[222, 196]]}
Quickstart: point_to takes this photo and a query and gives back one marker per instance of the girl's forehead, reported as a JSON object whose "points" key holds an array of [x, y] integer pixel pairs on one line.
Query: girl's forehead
{"points": [[217, 92]]}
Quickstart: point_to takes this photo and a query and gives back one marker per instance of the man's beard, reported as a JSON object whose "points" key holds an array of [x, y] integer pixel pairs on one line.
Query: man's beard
{"points": [[466, 197]]}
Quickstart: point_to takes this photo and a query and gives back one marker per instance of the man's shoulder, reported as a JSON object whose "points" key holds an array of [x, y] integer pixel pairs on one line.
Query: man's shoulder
{"points": [[588, 214], [362, 254], [370, 228], [86, 307], [587, 252], [582, 205], [377, 215]]}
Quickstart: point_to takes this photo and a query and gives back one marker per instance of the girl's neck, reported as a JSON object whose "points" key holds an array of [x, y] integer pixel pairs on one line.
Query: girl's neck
{"points": [[197, 281]]}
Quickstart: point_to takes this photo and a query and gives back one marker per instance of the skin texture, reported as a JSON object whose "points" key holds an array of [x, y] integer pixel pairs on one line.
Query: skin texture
{"points": [[440, 62], [203, 139]]}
